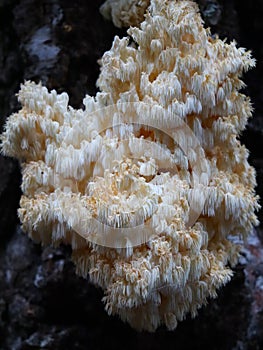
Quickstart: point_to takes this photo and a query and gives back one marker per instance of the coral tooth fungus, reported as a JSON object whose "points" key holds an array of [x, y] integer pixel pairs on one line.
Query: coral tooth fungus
{"points": [[149, 183]]}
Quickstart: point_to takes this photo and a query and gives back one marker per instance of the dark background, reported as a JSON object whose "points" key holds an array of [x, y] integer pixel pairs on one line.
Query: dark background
{"points": [[43, 304]]}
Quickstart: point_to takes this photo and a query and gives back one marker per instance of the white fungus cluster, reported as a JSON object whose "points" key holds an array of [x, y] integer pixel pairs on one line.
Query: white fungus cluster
{"points": [[125, 13], [149, 183]]}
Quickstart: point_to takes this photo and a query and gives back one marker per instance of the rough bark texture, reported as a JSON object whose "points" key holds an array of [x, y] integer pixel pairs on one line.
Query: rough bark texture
{"points": [[43, 304]]}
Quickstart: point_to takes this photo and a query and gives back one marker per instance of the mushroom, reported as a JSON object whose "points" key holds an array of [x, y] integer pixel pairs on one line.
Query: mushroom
{"points": [[149, 183]]}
